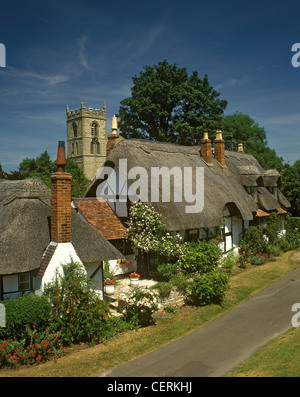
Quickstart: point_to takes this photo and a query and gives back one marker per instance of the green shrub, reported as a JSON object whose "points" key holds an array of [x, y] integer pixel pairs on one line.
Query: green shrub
{"points": [[22, 314], [41, 346], [112, 326], [77, 310], [200, 257], [292, 226], [230, 261], [255, 239], [139, 306], [208, 288], [272, 228], [168, 270]]}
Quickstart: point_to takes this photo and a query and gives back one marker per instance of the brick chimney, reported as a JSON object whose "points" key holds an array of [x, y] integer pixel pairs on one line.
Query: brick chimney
{"points": [[205, 149], [61, 199], [113, 137], [219, 147]]}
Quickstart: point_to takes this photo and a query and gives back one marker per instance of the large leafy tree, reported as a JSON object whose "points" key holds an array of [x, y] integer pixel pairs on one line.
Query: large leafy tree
{"points": [[168, 105], [290, 175], [43, 166], [241, 128]]}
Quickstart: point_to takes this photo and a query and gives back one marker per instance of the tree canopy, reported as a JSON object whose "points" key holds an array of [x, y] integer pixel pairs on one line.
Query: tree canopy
{"points": [[241, 128], [168, 105], [42, 167], [290, 175]]}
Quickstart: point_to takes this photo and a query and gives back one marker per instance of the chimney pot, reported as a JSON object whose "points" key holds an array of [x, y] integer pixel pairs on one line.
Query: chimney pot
{"points": [[61, 157], [220, 148], [205, 149]]}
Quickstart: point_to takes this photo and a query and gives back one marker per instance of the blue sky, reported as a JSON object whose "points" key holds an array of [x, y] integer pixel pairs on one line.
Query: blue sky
{"points": [[58, 52]]}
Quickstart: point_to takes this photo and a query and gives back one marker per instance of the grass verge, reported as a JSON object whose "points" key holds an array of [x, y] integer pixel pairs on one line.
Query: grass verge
{"points": [[130, 345], [279, 358]]}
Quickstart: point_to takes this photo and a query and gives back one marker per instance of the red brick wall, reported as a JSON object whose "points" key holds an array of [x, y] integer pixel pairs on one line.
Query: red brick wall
{"points": [[61, 207]]}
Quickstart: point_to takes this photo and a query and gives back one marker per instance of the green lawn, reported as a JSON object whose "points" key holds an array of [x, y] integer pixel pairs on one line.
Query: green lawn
{"points": [[130, 345], [279, 358]]}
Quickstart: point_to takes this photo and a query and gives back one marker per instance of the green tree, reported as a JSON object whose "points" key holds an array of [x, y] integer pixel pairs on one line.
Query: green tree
{"points": [[43, 166], [168, 105], [290, 175], [241, 128]]}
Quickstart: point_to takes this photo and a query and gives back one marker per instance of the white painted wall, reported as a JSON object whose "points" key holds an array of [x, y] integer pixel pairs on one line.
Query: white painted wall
{"points": [[64, 253], [114, 266]]}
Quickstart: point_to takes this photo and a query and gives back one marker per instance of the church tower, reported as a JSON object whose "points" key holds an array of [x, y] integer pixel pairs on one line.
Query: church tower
{"points": [[86, 138]]}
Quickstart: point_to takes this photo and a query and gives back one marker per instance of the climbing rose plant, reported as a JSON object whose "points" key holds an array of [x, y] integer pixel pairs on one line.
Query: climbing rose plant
{"points": [[148, 233]]}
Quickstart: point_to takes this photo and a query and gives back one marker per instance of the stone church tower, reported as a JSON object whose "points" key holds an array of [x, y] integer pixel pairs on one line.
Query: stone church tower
{"points": [[86, 138]]}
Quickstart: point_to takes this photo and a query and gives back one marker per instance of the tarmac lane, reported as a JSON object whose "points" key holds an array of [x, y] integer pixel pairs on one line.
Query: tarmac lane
{"points": [[216, 348]]}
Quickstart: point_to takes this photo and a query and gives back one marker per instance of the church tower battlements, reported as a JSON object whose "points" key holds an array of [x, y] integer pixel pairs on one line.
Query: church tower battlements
{"points": [[86, 138]]}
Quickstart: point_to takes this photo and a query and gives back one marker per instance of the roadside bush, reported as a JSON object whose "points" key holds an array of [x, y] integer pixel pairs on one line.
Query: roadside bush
{"points": [[112, 326], [230, 261], [254, 238], [200, 257], [272, 229], [208, 288], [139, 306], [78, 312], [41, 347], [292, 226], [22, 314]]}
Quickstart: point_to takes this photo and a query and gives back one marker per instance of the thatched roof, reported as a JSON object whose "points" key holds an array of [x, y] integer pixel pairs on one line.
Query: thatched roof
{"points": [[222, 186], [25, 228]]}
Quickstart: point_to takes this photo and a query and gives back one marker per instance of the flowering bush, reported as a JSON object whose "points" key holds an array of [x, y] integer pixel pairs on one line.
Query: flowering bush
{"points": [[110, 281], [42, 346], [249, 256], [108, 273], [134, 275], [147, 232], [123, 264], [139, 306]]}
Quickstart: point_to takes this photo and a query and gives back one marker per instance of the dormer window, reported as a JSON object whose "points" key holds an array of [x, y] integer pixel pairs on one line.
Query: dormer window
{"points": [[275, 191], [253, 190]]}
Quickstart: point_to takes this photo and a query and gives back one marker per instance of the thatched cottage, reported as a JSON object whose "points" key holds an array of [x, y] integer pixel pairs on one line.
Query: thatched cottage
{"points": [[39, 231], [236, 189]]}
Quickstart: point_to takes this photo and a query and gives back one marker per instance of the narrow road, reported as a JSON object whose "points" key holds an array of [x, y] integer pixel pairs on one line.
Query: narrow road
{"points": [[225, 342]]}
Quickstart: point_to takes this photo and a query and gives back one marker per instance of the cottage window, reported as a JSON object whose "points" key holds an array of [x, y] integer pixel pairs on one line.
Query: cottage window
{"points": [[275, 191], [192, 235], [24, 282]]}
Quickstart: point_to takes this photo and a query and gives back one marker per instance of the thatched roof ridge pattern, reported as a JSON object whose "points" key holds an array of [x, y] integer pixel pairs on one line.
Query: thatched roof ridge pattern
{"points": [[221, 185]]}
